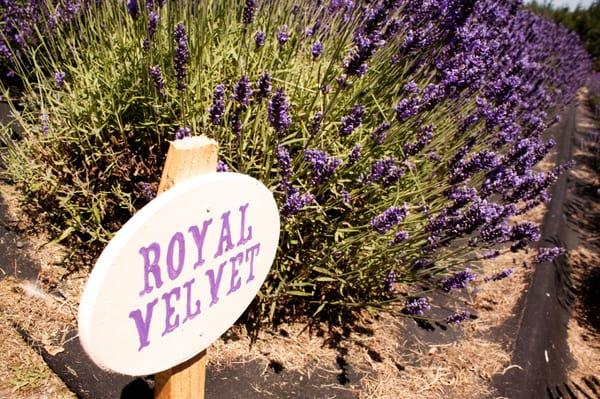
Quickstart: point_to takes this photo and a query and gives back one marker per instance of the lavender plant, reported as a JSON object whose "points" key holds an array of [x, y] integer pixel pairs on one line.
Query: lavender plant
{"points": [[398, 136]]}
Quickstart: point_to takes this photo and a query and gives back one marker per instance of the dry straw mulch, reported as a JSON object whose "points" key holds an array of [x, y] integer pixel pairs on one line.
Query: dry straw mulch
{"points": [[583, 213]]}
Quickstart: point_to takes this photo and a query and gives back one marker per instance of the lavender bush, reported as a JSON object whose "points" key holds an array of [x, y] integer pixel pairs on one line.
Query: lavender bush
{"points": [[398, 136]]}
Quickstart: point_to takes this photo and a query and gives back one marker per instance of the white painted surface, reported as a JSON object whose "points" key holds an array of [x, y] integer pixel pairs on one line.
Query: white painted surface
{"points": [[127, 282]]}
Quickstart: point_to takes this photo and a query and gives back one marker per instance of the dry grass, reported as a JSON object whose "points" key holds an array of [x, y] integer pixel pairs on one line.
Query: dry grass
{"points": [[583, 336], [23, 372]]}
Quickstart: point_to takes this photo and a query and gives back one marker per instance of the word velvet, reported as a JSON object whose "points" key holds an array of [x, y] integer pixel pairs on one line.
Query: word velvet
{"points": [[225, 268]]}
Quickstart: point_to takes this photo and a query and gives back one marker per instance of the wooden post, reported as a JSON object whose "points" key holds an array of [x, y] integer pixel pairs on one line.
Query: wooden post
{"points": [[186, 158]]}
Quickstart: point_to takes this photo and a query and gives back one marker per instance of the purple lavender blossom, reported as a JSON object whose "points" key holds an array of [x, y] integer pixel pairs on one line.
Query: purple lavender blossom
{"points": [[242, 92], [263, 86], [356, 63], [463, 170], [323, 165], [501, 275], [222, 166], [315, 123], [295, 202], [278, 111], [354, 155], [44, 123], [182, 56], [522, 234], [411, 87], [133, 9], [380, 133], [547, 254], [406, 108], [386, 172], [424, 137], [492, 254], [285, 163], [416, 306], [434, 156], [457, 317], [235, 122], [458, 280], [389, 218], [152, 24], [345, 196], [494, 233], [352, 121], [259, 39], [159, 81], [283, 36], [316, 49], [146, 190], [389, 281], [182, 133], [59, 79], [248, 13], [217, 108], [399, 237]]}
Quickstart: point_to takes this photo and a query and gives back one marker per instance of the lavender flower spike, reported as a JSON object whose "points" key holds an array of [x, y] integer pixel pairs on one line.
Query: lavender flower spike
{"points": [[264, 86], [283, 36], [182, 56], [259, 39], [499, 276], [457, 317], [285, 163], [222, 166], [316, 49], [354, 155], [249, 10], [133, 8], [159, 81], [59, 79], [389, 281], [458, 280], [323, 165], [279, 112], [152, 24], [295, 202], [182, 133], [416, 306], [389, 218], [242, 92], [352, 121], [315, 123], [217, 108], [547, 255]]}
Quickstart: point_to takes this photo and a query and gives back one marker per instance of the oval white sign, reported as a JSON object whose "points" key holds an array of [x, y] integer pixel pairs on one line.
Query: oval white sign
{"points": [[179, 273]]}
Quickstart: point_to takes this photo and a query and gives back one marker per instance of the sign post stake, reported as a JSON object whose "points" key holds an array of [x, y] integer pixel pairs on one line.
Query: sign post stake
{"points": [[187, 158]]}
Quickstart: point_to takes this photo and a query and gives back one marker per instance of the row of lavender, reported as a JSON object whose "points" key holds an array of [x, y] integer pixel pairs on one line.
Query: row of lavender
{"points": [[400, 137], [591, 140]]}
